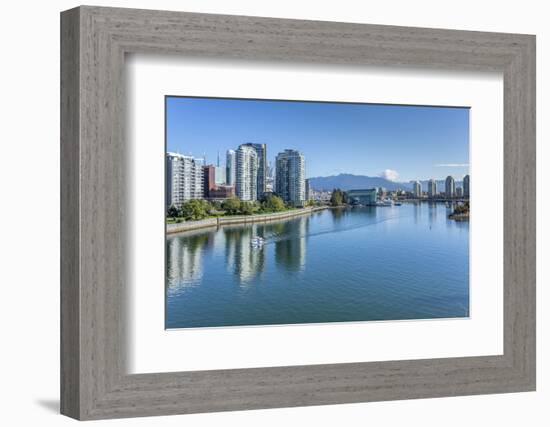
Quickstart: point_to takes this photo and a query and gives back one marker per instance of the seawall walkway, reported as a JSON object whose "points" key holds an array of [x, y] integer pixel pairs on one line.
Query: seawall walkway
{"points": [[240, 219]]}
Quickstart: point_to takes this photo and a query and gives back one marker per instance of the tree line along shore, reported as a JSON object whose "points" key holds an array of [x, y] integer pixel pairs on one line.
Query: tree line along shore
{"points": [[200, 210], [197, 210]]}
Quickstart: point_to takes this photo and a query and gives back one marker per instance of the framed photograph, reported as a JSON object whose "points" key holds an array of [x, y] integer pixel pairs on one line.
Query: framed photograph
{"points": [[286, 229], [262, 213]]}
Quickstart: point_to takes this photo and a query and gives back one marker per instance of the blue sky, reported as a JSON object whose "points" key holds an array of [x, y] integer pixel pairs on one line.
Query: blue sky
{"points": [[399, 142]]}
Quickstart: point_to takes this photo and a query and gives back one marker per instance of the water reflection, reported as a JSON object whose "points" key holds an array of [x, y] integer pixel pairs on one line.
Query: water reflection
{"points": [[285, 239], [349, 264], [432, 212], [184, 259], [241, 258], [338, 214], [285, 242], [290, 244], [417, 212]]}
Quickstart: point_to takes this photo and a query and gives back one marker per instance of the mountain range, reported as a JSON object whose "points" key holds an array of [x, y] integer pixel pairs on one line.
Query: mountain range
{"points": [[346, 182]]}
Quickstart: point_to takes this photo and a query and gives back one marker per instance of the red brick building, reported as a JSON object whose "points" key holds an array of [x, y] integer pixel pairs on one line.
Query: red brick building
{"points": [[222, 192], [209, 179]]}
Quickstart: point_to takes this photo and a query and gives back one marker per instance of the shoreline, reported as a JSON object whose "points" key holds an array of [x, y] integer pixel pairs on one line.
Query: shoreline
{"points": [[239, 219], [460, 217]]}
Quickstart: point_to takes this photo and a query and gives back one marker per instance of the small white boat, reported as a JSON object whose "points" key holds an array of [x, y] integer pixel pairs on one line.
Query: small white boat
{"points": [[385, 202], [257, 241]]}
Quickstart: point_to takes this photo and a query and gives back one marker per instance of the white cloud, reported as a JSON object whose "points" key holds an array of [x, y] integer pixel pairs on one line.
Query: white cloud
{"points": [[389, 174], [452, 165]]}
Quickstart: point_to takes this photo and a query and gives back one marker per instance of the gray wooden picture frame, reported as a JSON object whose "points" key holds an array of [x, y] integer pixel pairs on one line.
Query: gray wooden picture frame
{"points": [[94, 381]]}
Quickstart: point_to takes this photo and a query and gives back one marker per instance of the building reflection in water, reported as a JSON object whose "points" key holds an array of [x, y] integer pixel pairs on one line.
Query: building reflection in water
{"points": [[417, 212], [290, 243], [242, 259], [285, 240], [184, 259], [432, 212]]}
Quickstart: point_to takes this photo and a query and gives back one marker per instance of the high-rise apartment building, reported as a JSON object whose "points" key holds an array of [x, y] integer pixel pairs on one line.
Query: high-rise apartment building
{"points": [[246, 176], [450, 187], [308, 190], [432, 188], [290, 177], [184, 179], [261, 151], [417, 189], [231, 167], [466, 186], [269, 180]]}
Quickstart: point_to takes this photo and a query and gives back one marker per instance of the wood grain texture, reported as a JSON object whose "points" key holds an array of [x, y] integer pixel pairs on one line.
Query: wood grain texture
{"points": [[70, 259], [94, 382]]}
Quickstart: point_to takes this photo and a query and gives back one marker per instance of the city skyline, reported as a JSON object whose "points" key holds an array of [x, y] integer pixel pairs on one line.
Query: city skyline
{"points": [[405, 143], [254, 201], [245, 175]]}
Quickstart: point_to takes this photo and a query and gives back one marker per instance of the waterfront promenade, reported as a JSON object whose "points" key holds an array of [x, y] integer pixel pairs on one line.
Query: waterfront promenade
{"points": [[239, 219]]}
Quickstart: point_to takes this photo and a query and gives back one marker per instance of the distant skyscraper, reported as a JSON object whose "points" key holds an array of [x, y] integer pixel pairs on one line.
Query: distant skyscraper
{"points": [[432, 188], [269, 180], [308, 190], [270, 172], [450, 188], [247, 173], [261, 151], [466, 185], [184, 179], [417, 189], [231, 167], [459, 192], [290, 177]]}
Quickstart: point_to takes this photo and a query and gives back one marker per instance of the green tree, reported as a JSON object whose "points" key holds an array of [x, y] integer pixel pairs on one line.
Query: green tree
{"points": [[247, 208], [216, 204], [172, 212], [195, 210], [273, 203], [337, 197], [463, 208], [208, 206], [232, 206]]}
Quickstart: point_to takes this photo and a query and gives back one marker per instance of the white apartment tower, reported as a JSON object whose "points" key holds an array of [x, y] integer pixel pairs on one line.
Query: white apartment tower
{"points": [[417, 189], [450, 187], [246, 174], [432, 188], [261, 152], [184, 179]]}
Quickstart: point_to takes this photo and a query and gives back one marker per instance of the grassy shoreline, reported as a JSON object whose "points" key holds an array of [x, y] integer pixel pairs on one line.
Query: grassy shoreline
{"points": [[219, 221]]}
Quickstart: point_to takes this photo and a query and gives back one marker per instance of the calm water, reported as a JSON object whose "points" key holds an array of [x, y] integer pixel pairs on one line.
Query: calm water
{"points": [[355, 264]]}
